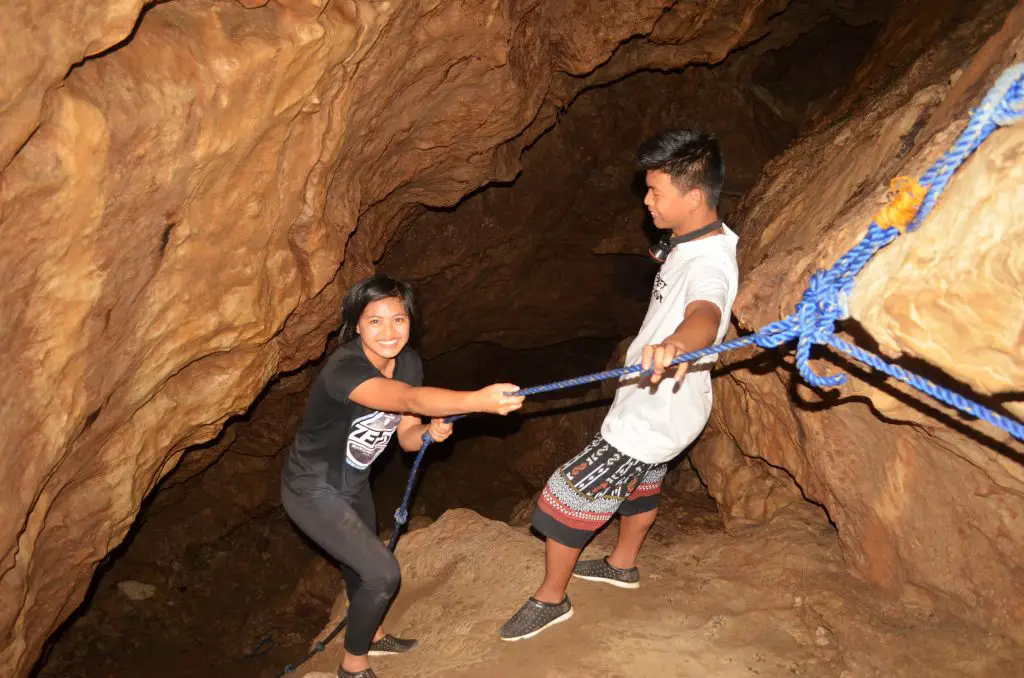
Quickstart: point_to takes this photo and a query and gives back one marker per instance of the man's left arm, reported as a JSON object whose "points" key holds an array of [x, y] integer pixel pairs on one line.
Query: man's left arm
{"points": [[698, 330]]}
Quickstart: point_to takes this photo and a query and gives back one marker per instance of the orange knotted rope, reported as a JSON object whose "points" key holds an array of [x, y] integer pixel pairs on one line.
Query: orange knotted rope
{"points": [[905, 197]]}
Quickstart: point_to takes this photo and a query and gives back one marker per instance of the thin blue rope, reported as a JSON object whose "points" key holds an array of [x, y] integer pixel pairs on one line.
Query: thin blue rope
{"points": [[1002, 106], [633, 369], [951, 398], [402, 512]]}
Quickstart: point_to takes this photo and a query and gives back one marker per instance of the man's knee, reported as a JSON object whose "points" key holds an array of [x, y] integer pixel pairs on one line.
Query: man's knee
{"points": [[643, 518], [648, 517]]}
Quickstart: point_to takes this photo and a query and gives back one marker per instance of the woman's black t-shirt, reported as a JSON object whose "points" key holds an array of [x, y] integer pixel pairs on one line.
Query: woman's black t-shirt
{"points": [[339, 439]]}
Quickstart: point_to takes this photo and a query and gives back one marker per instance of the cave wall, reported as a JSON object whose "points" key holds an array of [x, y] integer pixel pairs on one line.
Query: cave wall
{"points": [[928, 504], [561, 254], [559, 257], [180, 188], [188, 186]]}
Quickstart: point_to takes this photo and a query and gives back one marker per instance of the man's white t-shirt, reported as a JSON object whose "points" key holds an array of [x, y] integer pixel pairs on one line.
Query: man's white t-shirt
{"points": [[655, 425]]}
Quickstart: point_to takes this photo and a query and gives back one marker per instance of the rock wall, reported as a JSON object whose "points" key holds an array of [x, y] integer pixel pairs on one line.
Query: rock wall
{"points": [[562, 252], [929, 505], [187, 186], [180, 188]]}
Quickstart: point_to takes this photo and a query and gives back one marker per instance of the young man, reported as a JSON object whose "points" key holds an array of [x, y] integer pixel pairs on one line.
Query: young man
{"points": [[650, 422]]}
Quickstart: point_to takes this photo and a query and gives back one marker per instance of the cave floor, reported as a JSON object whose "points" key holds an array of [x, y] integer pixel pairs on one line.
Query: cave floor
{"points": [[775, 600]]}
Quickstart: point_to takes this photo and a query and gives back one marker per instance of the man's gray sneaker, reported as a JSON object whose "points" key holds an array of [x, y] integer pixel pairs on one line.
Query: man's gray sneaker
{"points": [[600, 570], [533, 617], [391, 645]]}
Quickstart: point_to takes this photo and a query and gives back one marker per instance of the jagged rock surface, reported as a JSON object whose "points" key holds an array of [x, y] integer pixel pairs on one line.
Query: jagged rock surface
{"points": [[929, 505], [179, 211]]}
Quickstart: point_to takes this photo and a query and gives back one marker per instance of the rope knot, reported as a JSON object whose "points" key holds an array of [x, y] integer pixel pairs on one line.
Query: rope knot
{"points": [[401, 516], [905, 198], [823, 304]]}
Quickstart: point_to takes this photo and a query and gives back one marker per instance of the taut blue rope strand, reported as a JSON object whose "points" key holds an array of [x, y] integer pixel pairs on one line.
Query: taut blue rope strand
{"points": [[1002, 106], [951, 398], [823, 303]]}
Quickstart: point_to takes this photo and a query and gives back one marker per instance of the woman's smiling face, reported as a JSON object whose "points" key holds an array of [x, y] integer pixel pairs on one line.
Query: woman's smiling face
{"points": [[384, 328]]}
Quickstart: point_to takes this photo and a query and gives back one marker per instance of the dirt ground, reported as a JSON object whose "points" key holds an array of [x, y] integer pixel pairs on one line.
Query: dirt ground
{"points": [[236, 606], [769, 601], [774, 600]]}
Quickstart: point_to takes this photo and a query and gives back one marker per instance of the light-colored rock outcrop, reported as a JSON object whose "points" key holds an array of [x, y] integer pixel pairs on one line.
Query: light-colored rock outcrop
{"points": [[928, 505]]}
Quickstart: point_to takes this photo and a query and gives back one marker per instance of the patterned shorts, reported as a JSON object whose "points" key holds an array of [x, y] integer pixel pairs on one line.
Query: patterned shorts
{"points": [[585, 492]]}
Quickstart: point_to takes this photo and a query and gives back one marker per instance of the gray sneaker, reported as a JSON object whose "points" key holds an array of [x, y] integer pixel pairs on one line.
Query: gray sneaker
{"points": [[391, 645], [533, 617], [600, 570]]}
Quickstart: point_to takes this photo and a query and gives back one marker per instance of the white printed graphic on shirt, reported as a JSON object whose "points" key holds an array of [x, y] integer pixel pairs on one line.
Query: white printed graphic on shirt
{"points": [[369, 436], [658, 294]]}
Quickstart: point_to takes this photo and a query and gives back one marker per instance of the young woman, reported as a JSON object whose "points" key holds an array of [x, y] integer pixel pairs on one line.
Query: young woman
{"points": [[369, 390]]}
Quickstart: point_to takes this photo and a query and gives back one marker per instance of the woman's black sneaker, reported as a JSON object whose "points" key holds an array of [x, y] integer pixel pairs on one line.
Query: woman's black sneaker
{"points": [[391, 645], [365, 673]]}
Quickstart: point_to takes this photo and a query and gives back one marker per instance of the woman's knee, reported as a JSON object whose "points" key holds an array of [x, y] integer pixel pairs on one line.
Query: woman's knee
{"points": [[385, 577]]}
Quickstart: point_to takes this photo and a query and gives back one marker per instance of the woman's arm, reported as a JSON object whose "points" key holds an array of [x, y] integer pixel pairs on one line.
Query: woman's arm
{"points": [[390, 395], [411, 430]]}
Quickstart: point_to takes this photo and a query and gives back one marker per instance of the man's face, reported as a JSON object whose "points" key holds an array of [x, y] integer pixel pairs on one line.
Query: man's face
{"points": [[669, 207]]}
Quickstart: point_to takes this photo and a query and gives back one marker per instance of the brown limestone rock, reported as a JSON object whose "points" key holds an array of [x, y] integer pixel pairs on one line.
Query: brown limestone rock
{"points": [[748, 490], [929, 505], [177, 211]]}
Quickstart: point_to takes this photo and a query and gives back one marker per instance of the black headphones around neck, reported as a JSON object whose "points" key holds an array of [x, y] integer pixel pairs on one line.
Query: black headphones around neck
{"points": [[661, 249]]}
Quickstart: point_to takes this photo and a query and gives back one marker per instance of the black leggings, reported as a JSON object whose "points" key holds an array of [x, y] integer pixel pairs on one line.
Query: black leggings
{"points": [[346, 528]]}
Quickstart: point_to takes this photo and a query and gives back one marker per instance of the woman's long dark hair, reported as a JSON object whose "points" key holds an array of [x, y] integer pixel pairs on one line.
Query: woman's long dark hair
{"points": [[372, 289]]}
